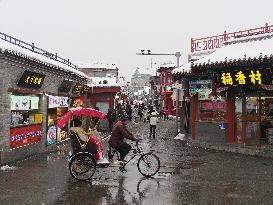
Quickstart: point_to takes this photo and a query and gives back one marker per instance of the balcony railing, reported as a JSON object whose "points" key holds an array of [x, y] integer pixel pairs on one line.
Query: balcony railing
{"points": [[31, 47], [214, 42]]}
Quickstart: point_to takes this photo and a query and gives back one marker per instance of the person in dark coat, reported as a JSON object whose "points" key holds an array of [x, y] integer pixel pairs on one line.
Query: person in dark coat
{"points": [[120, 132], [111, 115], [129, 111]]}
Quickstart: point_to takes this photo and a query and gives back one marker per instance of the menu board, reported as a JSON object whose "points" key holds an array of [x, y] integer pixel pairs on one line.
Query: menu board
{"points": [[24, 102]]}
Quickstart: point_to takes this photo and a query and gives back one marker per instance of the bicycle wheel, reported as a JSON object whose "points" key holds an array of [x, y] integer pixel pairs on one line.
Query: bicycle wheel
{"points": [[148, 164], [82, 166]]}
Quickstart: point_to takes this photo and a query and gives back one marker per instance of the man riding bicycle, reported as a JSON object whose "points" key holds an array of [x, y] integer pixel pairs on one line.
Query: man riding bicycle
{"points": [[120, 132]]}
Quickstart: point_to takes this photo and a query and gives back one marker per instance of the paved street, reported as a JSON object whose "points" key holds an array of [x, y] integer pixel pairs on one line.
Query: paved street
{"points": [[188, 176]]}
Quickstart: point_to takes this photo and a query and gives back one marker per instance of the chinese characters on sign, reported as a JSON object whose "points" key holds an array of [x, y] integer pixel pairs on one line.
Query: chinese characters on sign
{"points": [[25, 135], [77, 89], [57, 101], [244, 77], [31, 79], [80, 89], [85, 89]]}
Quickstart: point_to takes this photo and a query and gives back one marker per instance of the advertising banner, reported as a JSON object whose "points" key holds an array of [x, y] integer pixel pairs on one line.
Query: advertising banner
{"points": [[212, 105], [25, 135], [24, 102], [57, 101], [51, 135]]}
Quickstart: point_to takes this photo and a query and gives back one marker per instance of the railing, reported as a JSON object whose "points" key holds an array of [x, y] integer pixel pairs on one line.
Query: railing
{"points": [[34, 49], [214, 42]]}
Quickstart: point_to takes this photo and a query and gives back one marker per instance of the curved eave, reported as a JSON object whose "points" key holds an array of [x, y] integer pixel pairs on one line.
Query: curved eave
{"points": [[48, 65], [236, 62]]}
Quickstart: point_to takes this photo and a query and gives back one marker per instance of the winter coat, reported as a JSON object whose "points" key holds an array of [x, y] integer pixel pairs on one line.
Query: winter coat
{"points": [[120, 132], [153, 118]]}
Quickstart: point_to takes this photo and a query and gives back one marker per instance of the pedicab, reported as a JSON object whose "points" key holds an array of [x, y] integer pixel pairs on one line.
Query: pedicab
{"points": [[83, 160]]}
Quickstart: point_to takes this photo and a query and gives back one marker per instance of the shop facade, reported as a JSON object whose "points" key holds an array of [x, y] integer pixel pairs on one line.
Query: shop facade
{"points": [[166, 90], [33, 95], [103, 98], [231, 93]]}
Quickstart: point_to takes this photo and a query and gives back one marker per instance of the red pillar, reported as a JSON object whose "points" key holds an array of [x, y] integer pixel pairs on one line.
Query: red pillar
{"points": [[230, 117], [194, 115]]}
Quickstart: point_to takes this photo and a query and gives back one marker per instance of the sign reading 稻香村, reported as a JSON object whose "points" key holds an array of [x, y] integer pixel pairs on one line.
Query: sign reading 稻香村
{"points": [[244, 77]]}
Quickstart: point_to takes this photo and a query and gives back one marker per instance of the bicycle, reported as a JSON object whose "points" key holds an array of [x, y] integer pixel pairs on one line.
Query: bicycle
{"points": [[144, 159], [82, 164]]}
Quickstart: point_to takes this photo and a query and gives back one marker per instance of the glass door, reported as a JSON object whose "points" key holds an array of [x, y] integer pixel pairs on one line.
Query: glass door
{"points": [[251, 120]]}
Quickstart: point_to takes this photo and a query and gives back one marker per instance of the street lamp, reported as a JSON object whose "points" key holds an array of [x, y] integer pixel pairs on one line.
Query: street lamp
{"points": [[177, 55]]}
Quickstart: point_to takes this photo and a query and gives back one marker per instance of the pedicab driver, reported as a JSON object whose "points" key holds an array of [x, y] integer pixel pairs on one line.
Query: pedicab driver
{"points": [[120, 132]]}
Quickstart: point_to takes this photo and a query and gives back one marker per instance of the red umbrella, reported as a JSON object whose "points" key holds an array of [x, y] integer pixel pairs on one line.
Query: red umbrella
{"points": [[79, 112]]}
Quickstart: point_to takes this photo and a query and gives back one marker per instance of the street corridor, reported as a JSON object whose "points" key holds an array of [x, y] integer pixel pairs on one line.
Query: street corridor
{"points": [[188, 175]]}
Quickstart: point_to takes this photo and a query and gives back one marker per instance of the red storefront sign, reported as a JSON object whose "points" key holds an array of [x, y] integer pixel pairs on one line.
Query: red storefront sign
{"points": [[210, 105], [25, 135]]}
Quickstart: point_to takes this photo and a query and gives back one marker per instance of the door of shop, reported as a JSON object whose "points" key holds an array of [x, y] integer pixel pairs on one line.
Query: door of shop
{"points": [[247, 120]]}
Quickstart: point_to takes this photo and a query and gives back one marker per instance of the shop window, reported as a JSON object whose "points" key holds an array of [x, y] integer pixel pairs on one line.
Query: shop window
{"points": [[25, 110], [252, 105], [214, 111], [25, 120], [57, 107]]}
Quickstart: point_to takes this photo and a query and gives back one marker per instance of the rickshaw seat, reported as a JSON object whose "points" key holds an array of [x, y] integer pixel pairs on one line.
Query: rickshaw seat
{"points": [[76, 146]]}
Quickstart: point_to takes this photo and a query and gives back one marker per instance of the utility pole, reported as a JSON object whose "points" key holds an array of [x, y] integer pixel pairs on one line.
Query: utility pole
{"points": [[177, 55]]}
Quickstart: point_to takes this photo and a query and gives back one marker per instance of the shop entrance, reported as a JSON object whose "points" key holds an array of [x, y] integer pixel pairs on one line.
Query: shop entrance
{"points": [[254, 120]]}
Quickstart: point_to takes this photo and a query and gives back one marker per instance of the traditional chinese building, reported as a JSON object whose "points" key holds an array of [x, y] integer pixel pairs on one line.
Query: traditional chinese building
{"points": [[36, 90], [231, 90], [166, 90]]}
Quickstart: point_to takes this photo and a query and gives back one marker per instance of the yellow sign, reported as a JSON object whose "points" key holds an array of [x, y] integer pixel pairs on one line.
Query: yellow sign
{"points": [[240, 78]]}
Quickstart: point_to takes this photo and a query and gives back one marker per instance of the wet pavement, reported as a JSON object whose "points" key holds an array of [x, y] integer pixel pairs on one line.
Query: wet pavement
{"points": [[188, 175]]}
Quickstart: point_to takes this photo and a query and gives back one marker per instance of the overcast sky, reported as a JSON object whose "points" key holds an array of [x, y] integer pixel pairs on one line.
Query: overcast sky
{"points": [[115, 30]]}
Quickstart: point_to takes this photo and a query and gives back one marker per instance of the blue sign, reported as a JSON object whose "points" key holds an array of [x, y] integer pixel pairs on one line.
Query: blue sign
{"points": [[222, 126]]}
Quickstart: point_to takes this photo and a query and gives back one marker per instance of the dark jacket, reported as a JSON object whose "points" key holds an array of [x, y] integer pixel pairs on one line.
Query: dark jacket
{"points": [[120, 132]]}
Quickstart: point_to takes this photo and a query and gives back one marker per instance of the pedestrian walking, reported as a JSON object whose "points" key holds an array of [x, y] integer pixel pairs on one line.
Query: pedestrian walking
{"points": [[166, 114], [153, 122], [140, 113], [145, 114], [111, 115], [129, 111]]}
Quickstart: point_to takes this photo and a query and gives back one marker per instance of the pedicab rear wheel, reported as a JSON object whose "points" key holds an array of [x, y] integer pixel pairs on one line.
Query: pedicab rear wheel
{"points": [[148, 164], [82, 166]]}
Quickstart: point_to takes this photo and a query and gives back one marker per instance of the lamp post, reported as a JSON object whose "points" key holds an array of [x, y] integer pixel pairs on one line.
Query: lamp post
{"points": [[177, 55]]}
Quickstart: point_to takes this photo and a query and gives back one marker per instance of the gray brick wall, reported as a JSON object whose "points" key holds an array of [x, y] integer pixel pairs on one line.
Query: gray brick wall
{"points": [[11, 69]]}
